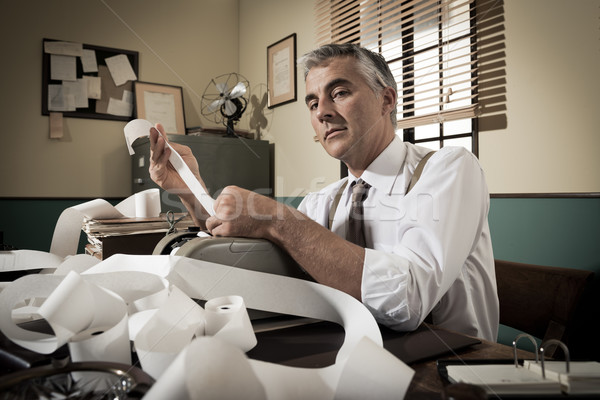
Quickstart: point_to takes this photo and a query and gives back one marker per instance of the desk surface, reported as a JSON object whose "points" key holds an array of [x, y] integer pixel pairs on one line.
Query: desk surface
{"points": [[315, 346]]}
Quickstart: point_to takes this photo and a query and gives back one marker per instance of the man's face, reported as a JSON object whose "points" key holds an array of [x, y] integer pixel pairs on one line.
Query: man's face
{"points": [[345, 113]]}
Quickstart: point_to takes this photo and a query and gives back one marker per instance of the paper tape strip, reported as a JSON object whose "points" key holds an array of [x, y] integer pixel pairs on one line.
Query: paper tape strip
{"points": [[140, 128]]}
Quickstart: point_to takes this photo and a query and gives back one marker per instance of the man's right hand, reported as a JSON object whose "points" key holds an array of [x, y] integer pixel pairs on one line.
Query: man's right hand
{"points": [[167, 177], [161, 170]]}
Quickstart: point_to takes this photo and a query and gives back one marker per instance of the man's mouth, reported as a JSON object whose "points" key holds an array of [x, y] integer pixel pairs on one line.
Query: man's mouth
{"points": [[333, 132]]}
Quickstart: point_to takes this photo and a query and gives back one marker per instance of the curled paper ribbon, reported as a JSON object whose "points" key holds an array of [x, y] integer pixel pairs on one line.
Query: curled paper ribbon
{"points": [[387, 376], [28, 259], [68, 227], [90, 312], [168, 331], [171, 344], [91, 319]]}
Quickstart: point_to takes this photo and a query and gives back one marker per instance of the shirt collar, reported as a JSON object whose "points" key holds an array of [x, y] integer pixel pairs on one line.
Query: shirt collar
{"points": [[382, 173]]}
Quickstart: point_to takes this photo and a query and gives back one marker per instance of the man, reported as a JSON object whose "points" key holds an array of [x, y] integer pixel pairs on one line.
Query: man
{"points": [[427, 252]]}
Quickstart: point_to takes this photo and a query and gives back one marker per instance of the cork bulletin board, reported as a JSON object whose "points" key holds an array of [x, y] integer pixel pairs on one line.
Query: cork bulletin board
{"points": [[110, 93]]}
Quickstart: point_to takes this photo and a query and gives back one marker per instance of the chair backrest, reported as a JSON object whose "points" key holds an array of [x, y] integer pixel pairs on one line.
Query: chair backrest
{"points": [[539, 300]]}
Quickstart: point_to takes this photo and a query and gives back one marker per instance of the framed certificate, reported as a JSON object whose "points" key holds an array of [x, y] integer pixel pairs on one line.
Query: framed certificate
{"points": [[162, 104], [281, 71]]}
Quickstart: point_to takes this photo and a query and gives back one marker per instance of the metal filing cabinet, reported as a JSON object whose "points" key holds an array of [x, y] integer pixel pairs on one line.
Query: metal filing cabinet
{"points": [[222, 161]]}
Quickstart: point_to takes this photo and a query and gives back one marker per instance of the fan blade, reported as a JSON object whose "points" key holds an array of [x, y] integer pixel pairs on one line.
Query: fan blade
{"points": [[221, 87], [230, 108], [214, 106], [238, 90]]}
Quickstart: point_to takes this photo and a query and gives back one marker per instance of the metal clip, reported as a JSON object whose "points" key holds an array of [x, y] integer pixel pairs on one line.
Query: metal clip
{"points": [[515, 347]]}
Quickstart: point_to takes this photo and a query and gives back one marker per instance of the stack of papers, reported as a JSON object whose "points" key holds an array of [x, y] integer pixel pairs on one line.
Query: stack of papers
{"points": [[99, 229]]}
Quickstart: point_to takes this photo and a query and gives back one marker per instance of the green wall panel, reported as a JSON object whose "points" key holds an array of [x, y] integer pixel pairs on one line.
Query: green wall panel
{"points": [[560, 232], [29, 223], [563, 232]]}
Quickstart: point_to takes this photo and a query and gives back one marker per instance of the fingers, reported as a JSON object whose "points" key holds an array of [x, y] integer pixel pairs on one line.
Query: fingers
{"points": [[227, 213], [159, 151], [161, 129], [156, 132], [228, 205], [212, 223]]}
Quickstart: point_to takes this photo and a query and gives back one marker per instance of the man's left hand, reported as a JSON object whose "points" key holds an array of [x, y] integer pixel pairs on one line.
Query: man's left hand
{"points": [[240, 212]]}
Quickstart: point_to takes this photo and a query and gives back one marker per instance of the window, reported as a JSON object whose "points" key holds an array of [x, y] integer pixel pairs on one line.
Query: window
{"points": [[430, 46]]}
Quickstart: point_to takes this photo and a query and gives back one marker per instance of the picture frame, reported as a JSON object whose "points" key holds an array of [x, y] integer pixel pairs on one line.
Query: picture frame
{"points": [[160, 103], [281, 72]]}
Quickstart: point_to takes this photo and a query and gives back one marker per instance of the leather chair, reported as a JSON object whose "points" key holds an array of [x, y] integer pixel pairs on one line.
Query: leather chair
{"points": [[545, 302]]}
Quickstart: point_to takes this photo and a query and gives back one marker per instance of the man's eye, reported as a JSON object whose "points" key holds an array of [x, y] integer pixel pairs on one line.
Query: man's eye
{"points": [[340, 93], [312, 105]]}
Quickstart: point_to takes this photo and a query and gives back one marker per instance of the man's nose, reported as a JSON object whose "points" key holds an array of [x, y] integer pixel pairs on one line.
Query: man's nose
{"points": [[325, 111]]}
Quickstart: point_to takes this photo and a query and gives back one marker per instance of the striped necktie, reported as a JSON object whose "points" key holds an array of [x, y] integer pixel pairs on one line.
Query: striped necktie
{"points": [[356, 232]]}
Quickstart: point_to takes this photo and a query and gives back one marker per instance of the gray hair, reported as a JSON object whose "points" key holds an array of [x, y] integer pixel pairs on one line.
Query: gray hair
{"points": [[372, 66]]}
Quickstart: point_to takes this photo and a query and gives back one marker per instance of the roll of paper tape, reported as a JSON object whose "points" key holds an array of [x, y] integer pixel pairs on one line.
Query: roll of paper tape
{"points": [[102, 343], [227, 318]]}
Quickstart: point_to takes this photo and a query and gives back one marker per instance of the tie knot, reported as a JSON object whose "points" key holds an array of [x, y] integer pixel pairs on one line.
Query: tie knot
{"points": [[359, 191]]}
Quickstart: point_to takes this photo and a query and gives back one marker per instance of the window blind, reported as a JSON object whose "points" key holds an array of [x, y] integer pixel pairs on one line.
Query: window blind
{"points": [[430, 46]]}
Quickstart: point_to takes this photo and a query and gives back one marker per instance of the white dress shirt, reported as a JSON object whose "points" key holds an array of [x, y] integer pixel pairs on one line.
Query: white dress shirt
{"points": [[428, 251]]}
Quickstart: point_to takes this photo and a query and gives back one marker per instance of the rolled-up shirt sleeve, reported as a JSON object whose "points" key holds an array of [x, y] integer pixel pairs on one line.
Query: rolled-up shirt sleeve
{"points": [[433, 245]]}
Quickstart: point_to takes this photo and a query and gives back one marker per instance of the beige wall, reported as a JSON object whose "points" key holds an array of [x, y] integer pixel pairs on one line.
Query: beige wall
{"points": [[301, 165], [552, 64], [552, 137], [181, 42]]}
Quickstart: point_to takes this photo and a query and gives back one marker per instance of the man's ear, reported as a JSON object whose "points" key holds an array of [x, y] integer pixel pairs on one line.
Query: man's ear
{"points": [[389, 97]]}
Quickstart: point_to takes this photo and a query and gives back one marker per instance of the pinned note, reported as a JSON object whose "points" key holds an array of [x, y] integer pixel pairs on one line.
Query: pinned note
{"points": [[88, 61], [120, 69]]}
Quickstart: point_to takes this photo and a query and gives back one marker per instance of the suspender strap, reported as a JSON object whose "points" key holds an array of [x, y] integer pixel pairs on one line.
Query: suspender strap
{"points": [[419, 171], [336, 201], [413, 182]]}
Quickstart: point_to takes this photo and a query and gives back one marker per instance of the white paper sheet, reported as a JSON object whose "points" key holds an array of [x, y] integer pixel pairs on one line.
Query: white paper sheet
{"points": [[120, 69], [119, 107], [64, 48], [78, 89], [59, 100], [94, 86], [63, 68], [88, 61]]}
